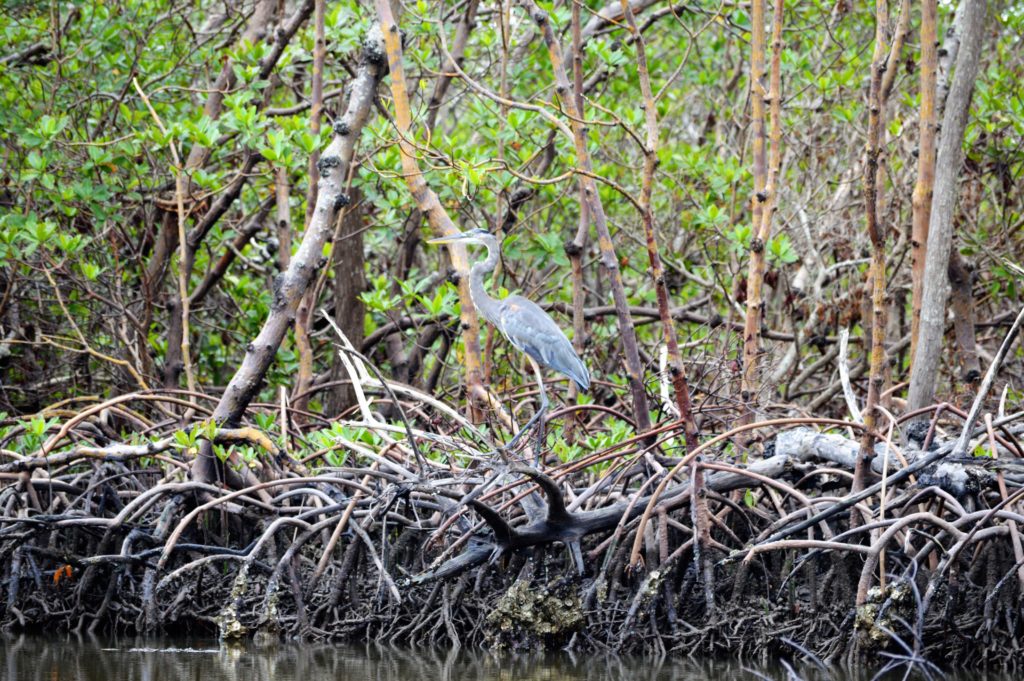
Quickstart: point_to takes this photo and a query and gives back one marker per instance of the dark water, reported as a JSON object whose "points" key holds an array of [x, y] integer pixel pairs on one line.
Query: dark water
{"points": [[34, 658]]}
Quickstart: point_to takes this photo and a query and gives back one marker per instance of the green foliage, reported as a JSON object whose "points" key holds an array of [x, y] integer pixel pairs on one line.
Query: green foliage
{"points": [[33, 433], [781, 251], [87, 193], [188, 440]]}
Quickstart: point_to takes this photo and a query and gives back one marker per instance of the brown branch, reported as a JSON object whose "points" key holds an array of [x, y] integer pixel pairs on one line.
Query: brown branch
{"points": [[922, 200], [183, 256], [679, 382], [764, 200], [167, 239], [575, 248], [303, 346], [961, 280], [458, 50], [430, 206], [872, 182], [592, 200], [220, 268]]}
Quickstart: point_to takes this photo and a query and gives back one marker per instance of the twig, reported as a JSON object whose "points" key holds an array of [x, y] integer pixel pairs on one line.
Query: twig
{"points": [[183, 266], [844, 376], [986, 384]]}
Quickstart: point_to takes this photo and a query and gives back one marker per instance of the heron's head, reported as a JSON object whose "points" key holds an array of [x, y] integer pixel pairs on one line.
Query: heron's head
{"points": [[473, 236]]}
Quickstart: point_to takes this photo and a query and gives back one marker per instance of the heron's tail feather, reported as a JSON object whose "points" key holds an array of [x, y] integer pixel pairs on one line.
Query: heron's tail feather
{"points": [[579, 374]]}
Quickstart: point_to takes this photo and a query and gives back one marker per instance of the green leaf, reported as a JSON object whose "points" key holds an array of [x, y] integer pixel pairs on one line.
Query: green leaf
{"points": [[90, 270]]}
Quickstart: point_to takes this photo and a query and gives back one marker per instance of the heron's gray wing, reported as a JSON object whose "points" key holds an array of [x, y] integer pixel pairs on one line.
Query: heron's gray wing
{"points": [[532, 330]]}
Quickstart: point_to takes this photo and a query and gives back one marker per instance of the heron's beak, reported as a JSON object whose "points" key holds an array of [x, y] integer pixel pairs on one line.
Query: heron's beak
{"points": [[447, 239]]}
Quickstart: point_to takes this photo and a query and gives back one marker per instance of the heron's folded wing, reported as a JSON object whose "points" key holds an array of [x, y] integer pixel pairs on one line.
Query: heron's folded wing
{"points": [[530, 329]]}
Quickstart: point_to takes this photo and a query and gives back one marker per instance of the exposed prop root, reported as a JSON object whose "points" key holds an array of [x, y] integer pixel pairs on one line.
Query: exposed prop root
{"points": [[372, 538]]}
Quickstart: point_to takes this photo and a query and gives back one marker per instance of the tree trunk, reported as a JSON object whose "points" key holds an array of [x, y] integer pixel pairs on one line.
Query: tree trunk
{"points": [[430, 205], [923, 190], [876, 233], [592, 200], [349, 283], [940, 237], [303, 319], [290, 286], [961, 279], [167, 240], [675, 362], [763, 201]]}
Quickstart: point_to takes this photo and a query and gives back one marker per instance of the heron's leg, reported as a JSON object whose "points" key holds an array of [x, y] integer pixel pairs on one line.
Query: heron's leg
{"points": [[538, 416], [541, 415]]}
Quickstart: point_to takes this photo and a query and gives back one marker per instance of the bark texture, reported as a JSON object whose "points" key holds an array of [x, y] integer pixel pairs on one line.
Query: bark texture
{"points": [[291, 285], [935, 290], [924, 189], [349, 282]]}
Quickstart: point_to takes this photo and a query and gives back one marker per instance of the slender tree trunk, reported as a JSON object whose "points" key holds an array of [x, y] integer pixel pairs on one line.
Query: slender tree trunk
{"points": [[349, 283], [316, 99], [764, 199], [213, 277], [947, 60], [563, 87], [303, 345], [167, 240], [961, 299], [576, 247], [444, 79], [922, 201], [927, 355], [227, 197], [396, 349], [284, 218], [430, 206], [877, 235], [961, 280], [675, 362]]}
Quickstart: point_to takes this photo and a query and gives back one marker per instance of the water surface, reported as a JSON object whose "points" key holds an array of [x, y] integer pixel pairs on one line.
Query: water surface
{"points": [[37, 658]]}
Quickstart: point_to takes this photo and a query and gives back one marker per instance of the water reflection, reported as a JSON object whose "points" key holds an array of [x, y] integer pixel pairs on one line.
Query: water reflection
{"points": [[33, 658]]}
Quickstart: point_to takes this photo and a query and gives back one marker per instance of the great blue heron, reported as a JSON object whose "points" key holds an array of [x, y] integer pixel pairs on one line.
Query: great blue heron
{"points": [[523, 322]]}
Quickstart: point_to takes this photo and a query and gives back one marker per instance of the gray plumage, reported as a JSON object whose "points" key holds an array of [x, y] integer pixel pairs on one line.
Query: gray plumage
{"points": [[528, 327], [532, 331]]}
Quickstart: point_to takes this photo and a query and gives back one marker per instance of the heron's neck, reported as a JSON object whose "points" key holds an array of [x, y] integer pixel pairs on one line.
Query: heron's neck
{"points": [[487, 305]]}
